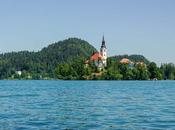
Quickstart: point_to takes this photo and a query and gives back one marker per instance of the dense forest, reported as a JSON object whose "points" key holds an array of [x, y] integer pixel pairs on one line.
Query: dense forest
{"points": [[42, 64], [65, 60], [115, 71]]}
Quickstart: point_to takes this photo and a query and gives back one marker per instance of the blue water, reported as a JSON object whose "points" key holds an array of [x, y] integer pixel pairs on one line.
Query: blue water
{"points": [[84, 105]]}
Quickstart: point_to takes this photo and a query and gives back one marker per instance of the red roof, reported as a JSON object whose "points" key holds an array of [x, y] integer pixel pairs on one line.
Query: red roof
{"points": [[125, 61], [96, 56]]}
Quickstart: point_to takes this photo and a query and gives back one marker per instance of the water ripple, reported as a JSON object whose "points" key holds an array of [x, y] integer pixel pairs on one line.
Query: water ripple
{"points": [[98, 105]]}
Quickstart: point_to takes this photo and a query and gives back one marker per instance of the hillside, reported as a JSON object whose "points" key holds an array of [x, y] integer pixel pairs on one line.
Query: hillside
{"points": [[66, 50], [43, 63]]}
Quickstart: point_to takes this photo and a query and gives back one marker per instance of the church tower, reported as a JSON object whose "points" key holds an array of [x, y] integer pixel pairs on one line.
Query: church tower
{"points": [[103, 52]]}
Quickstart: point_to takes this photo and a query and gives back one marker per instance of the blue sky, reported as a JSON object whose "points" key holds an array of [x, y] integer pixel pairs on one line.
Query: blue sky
{"points": [[144, 27]]}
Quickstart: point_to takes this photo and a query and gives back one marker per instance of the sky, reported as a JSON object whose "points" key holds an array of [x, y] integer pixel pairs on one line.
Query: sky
{"points": [[145, 27]]}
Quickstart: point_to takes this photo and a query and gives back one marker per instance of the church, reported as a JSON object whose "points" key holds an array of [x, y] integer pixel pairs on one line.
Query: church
{"points": [[100, 58]]}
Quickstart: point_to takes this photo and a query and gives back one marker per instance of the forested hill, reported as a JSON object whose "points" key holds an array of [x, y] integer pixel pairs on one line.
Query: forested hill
{"points": [[65, 51], [44, 62]]}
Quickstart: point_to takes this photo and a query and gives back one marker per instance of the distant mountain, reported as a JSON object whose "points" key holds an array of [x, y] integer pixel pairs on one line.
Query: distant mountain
{"points": [[45, 61], [134, 58]]}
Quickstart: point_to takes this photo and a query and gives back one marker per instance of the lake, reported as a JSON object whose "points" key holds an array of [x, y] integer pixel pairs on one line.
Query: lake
{"points": [[84, 105]]}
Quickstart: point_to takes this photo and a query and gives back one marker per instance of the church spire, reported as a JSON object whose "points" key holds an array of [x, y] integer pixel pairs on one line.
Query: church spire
{"points": [[103, 43], [103, 52]]}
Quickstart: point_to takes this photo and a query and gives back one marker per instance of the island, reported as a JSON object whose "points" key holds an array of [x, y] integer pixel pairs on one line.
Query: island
{"points": [[76, 59]]}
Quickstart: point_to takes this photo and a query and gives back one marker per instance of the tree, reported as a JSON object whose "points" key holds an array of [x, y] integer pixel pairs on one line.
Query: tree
{"points": [[142, 73], [154, 71], [168, 71]]}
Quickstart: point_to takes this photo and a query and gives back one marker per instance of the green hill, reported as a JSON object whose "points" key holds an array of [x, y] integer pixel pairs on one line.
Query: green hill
{"points": [[66, 50], [44, 62]]}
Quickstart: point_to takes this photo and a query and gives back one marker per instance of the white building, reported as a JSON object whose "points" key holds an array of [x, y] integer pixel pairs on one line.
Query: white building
{"points": [[100, 58], [103, 52], [19, 73]]}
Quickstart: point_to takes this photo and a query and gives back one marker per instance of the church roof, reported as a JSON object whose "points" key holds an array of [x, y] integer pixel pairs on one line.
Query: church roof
{"points": [[103, 43], [96, 56]]}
